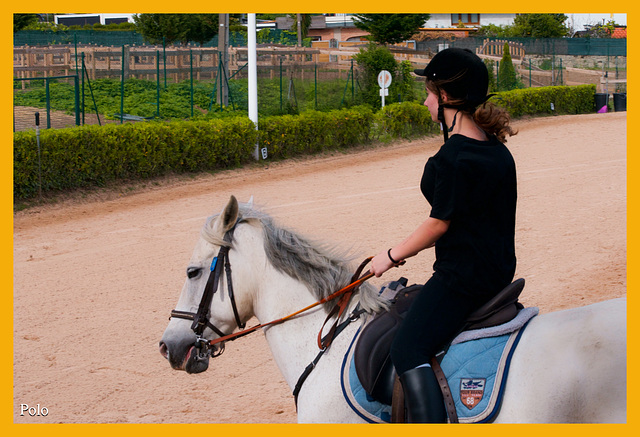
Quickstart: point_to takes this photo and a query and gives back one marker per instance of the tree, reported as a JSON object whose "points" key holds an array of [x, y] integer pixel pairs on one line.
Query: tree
{"points": [[599, 30], [372, 61], [20, 21], [507, 78], [495, 31], [529, 25], [304, 25], [390, 28], [540, 25], [171, 28], [201, 28]]}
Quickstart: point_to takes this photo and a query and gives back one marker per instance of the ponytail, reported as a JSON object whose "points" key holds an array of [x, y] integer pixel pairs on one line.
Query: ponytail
{"points": [[494, 121]]}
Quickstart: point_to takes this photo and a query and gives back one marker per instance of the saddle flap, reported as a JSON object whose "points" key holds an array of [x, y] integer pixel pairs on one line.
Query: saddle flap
{"points": [[371, 355], [372, 360], [503, 307]]}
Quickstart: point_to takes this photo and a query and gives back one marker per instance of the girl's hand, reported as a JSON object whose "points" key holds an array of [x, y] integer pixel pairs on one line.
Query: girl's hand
{"points": [[381, 263]]}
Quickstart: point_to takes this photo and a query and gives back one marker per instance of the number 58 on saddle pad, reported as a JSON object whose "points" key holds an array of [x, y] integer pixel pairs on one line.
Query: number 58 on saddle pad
{"points": [[476, 370]]}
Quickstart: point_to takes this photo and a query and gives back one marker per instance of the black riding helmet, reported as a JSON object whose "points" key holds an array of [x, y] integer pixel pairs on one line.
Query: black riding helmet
{"points": [[462, 75]]}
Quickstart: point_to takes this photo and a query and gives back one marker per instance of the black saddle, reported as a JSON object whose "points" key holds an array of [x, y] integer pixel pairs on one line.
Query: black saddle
{"points": [[372, 361]]}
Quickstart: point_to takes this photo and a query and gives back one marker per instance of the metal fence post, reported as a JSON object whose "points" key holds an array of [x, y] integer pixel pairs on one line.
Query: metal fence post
{"points": [[75, 44], [76, 95], [158, 83], [353, 89], [122, 88], [93, 98], [280, 84], [39, 156], [191, 78], [164, 61], [82, 75], [47, 102]]}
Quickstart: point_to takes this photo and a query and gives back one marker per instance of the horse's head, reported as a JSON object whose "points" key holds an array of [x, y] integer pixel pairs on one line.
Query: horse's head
{"points": [[210, 304], [262, 256]]}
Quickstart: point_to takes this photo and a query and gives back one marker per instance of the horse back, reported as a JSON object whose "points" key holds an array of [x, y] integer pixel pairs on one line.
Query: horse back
{"points": [[570, 366]]}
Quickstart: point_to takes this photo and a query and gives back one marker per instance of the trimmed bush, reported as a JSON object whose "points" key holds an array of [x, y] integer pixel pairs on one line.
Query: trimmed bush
{"points": [[95, 155], [313, 131], [537, 101], [507, 77], [406, 120]]}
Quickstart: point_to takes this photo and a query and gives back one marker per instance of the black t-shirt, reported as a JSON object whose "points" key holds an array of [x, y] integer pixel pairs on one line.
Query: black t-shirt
{"points": [[473, 184]]}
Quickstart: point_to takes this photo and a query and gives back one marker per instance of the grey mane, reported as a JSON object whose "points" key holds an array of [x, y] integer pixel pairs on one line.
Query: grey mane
{"points": [[321, 268]]}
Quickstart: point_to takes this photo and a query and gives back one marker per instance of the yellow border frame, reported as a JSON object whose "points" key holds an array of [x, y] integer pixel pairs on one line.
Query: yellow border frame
{"points": [[282, 6]]}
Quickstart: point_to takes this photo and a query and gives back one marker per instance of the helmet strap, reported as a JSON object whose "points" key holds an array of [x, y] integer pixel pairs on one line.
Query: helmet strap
{"points": [[443, 123], [453, 123]]}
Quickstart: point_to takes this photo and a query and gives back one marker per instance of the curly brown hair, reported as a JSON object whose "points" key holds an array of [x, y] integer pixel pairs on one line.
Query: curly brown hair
{"points": [[493, 119]]}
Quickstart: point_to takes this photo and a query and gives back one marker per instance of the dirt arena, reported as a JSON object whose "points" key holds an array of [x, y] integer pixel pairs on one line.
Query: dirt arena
{"points": [[95, 280]]}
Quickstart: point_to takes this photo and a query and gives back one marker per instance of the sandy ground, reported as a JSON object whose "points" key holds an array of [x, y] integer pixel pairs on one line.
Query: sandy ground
{"points": [[94, 281]]}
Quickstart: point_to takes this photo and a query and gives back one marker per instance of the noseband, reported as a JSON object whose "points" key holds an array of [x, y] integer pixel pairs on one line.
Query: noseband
{"points": [[213, 348], [201, 319]]}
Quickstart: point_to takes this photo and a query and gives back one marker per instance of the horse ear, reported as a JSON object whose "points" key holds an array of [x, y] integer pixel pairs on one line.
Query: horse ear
{"points": [[230, 214]]}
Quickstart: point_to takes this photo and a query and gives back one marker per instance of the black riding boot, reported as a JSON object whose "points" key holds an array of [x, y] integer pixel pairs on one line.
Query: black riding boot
{"points": [[422, 396]]}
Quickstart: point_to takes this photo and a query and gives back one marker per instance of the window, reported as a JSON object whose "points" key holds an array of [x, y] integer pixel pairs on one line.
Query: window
{"points": [[82, 20], [115, 20], [465, 19]]}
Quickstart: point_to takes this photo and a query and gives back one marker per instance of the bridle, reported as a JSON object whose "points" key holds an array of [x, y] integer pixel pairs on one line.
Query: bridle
{"points": [[214, 348], [201, 321]]}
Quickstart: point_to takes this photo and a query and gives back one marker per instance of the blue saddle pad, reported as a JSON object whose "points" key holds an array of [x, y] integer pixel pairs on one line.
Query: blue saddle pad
{"points": [[476, 371]]}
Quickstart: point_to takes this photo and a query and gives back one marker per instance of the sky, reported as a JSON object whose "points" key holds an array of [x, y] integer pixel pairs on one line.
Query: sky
{"points": [[579, 20]]}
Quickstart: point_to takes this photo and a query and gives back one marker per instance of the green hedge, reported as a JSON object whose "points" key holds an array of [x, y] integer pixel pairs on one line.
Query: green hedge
{"points": [[89, 156], [406, 120], [537, 101], [94, 155], [313, 131]]}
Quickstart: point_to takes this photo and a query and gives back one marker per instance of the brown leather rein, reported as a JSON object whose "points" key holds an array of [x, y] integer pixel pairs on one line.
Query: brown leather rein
{"points": [[213, 348], [344, 293]]}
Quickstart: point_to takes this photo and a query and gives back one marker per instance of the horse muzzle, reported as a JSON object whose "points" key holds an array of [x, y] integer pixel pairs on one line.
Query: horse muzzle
{"points": [[188, 357]]}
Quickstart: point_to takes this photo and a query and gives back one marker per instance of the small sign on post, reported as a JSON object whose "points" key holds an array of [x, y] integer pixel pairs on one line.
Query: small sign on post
{"points": [[384, 80]]}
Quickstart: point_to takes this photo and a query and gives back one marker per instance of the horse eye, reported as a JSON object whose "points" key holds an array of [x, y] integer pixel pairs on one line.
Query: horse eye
{"points": [[193, 272]]}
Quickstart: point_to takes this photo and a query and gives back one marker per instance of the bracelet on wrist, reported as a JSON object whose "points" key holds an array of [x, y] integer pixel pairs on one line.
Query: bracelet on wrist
{"points": [[396, 263]]}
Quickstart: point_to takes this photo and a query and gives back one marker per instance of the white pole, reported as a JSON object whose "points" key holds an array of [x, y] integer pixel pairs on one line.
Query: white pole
{"points": [[253, 73]]}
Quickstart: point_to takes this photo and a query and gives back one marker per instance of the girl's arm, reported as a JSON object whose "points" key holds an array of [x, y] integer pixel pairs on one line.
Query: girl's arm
{"points": [[423, 237]]}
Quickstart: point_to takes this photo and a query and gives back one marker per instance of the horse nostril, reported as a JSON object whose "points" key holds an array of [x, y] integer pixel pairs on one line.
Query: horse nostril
{"points": [[163, 350]]}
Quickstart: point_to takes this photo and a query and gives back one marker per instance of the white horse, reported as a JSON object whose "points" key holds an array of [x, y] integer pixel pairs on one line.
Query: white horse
{"points": [[570, 366]]}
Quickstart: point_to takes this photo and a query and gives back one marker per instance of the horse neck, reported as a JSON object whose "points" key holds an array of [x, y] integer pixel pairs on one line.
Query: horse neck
{"points": [[293, 343]]}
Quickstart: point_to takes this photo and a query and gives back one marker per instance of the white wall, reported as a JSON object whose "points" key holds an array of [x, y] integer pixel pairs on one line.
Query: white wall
{"points": [[444, 20]]}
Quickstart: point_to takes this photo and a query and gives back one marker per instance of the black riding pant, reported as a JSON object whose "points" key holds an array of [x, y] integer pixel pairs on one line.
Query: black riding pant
{"points": [[434, 318]]}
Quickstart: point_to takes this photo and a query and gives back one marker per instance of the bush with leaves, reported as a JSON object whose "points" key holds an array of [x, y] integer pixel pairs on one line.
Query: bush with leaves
{"points": [[507, 77], [92, 156], [371, 61], [405, 120], [390, 28], [538, 101]]}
